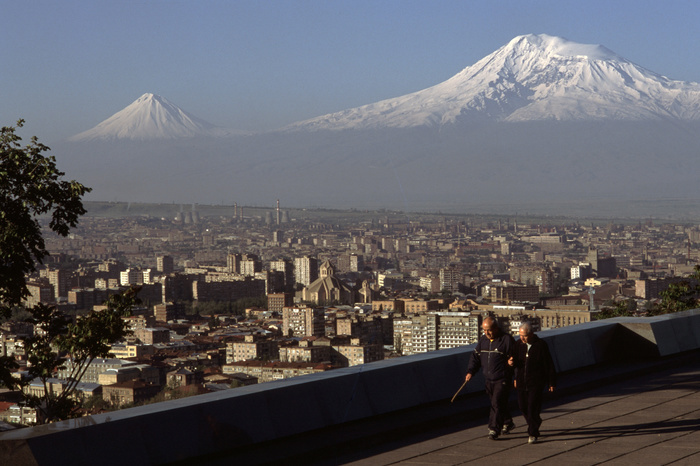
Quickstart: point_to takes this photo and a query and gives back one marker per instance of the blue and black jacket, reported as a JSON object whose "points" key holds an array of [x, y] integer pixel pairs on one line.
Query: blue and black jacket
{"points": [[491, 356]]}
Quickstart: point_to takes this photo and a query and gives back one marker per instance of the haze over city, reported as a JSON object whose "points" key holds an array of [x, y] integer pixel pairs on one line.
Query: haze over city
{"points": [[252, 68]]}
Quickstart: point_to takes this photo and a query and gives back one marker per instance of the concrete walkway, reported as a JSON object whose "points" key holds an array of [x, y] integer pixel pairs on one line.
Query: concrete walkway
{"points": [[653, 419]]}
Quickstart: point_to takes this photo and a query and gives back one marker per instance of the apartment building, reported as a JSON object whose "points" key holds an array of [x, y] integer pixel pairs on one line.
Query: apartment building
{"points": [[305, 270], [252, 348], [356, 353], [269, 371], [435, 330], [303, 321], [277, 301]]}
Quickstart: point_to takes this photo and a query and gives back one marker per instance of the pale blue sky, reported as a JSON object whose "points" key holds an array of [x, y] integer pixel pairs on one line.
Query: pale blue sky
{"points": [[258, 65]]}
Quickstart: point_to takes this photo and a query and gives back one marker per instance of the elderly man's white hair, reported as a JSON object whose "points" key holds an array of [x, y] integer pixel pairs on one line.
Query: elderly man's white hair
{"points": [[527, 327]]}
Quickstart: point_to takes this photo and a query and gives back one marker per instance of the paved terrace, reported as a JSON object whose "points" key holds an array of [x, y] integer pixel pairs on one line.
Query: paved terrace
{"points": [[650, 419], [628, 393]]}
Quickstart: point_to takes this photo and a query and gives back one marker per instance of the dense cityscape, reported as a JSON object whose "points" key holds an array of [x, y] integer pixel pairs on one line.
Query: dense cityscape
{"points": [[233, 295]]}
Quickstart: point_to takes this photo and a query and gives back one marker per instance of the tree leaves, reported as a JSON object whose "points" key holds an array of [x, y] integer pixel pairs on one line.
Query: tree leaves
{"points": [[58, 344], [680, 296], [30, 186]]}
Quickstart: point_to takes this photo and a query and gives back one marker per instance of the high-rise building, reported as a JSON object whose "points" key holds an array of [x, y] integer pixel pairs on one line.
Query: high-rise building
{"points": [[285, 266], [177, 287], [350, 263], [250, 265], [389, 244], [402, 245], [424, 333], [450, 279], [233, 263], [277, 301], [601, 266], [39, 292], [59, 279], [305, 270], [165, 264]]}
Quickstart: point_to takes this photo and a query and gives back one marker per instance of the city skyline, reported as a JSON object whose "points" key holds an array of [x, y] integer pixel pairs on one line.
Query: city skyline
{"points": [[259, 66]]}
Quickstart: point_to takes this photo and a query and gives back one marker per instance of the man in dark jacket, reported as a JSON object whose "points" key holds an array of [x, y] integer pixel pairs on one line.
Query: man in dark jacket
{"points": [[534, 371], [491, 355]]}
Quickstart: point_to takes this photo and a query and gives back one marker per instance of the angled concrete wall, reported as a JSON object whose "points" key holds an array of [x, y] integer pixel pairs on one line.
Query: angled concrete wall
{"points": [[181, 430]]}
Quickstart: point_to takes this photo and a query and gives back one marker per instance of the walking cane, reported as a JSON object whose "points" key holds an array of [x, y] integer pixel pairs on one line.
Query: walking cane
{"points": [[460, 389]]}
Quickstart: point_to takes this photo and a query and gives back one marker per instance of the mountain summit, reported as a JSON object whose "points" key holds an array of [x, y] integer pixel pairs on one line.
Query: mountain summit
{"points": [[149, 117], [532, 78]]}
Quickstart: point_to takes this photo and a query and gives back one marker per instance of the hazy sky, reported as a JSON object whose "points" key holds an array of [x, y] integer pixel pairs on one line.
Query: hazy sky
{"points": [[258, 65]]}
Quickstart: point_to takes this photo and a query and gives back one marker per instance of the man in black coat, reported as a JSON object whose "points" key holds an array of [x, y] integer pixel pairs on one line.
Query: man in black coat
{"points": [[534, 372], [491, 354]]}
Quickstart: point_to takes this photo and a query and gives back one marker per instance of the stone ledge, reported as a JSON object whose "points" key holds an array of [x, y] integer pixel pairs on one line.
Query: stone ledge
{"points": [[222, 422]]}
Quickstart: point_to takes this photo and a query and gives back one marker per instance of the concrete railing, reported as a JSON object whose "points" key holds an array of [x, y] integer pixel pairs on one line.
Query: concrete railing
{"points": [[274, 415]]}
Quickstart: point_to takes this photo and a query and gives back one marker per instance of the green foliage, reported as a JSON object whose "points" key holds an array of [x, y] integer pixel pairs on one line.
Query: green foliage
{"points": [[679, 296], [30, 186], [7, 366], [619, 309], [59, 344], [95, 404]]}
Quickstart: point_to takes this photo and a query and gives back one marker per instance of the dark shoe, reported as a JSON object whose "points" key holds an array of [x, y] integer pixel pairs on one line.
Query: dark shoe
{"points": [[532, 439], [493, 435], [507, 428]]}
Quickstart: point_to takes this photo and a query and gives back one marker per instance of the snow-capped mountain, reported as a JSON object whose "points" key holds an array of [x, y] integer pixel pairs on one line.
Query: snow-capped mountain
{"points": [[150, 117], [532, 78], [555, 122]]}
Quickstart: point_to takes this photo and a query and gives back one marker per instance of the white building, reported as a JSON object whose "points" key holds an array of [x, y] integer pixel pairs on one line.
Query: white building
{"points": [[131, 277]]}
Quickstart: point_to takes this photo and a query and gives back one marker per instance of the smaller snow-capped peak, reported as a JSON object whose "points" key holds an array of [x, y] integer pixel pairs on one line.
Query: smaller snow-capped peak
{"points": [[150, 117], [533, 77]]}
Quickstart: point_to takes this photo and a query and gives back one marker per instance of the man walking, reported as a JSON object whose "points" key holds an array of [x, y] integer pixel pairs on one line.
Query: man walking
{"points": [[491, 354], [534, 371]]}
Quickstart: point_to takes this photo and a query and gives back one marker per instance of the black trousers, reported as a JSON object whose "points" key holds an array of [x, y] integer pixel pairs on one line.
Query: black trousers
{"points": [[530, 403], [498, 392]]}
